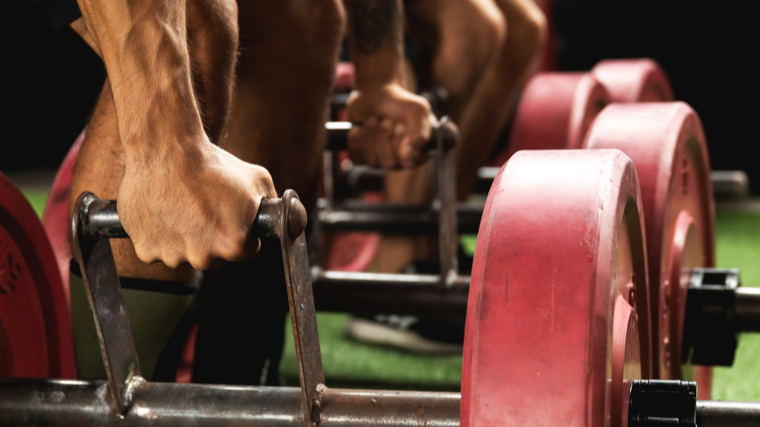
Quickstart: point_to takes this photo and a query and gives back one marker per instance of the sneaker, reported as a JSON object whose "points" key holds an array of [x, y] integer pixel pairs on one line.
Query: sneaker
{"points": [[408, 333]]}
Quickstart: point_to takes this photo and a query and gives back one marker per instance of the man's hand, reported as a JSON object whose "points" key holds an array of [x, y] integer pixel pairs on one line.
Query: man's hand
{"points": [[194, 205], [395, 126]]}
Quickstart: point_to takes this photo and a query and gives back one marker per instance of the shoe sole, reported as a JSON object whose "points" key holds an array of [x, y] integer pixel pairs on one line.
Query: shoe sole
{"points": [[371, 332]]}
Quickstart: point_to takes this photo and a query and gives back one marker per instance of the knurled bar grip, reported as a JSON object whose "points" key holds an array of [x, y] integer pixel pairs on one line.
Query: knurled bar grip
{"points": [[284, 219]]}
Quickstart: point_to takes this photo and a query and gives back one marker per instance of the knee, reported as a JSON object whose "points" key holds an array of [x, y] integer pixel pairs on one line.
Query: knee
{"points": [[212, 36], [320, 28], [468, 47], [526, 36]]}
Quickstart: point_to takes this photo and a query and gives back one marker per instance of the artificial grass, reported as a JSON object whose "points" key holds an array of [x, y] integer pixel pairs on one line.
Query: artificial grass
{"points": [[355, 365], [738, 245], [37, 199]]}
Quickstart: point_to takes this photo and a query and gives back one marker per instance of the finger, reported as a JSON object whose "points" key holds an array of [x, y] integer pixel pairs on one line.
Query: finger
{"points": [[384, 148], [419, 129], [370, 142], [354, 144], [399, 132]]}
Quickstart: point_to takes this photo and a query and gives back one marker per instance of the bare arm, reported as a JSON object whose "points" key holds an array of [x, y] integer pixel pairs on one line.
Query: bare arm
{"points": [[182, 199], [144, 47], [396, 123]]}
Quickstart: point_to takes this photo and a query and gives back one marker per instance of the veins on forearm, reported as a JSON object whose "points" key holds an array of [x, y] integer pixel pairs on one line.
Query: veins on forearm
{"points": [[374, 22]]}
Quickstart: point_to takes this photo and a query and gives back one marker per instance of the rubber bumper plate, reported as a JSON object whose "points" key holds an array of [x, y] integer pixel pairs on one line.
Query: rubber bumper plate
{"points": [[633, 80], [35, 327], [558, 311], [554, 112], [668, 147]]}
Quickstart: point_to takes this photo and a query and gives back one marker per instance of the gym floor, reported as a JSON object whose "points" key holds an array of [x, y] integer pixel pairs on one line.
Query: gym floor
{"points": [[354, 365]]}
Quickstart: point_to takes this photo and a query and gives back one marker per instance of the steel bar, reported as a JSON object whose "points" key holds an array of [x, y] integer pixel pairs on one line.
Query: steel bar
{"points": [[730, 184], [747, 309], [67, 403], [395, 218], [733, 185], [373, 293], [711, 413], [337, 136], [93, 219], [290, 224], [446, 191]]}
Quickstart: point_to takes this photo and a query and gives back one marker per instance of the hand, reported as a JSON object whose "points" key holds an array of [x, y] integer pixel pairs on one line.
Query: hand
{"points": [[192, 205], [395, 126]]}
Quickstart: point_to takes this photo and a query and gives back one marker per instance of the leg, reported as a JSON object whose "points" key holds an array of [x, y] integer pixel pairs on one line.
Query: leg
{"points": [[465, 37], [288, 55], [284, 77], [485, 115]]}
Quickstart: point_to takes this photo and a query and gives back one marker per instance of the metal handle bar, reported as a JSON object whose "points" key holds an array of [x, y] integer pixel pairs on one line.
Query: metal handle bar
{"points": [[96, 220], [337, 135]]}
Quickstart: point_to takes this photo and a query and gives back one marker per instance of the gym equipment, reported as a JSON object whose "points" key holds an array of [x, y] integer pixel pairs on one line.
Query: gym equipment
{"points": [[671, 159], [35, 325], [56, 213], [561, 271], [633, 80], [442, 141], [556, 109], [586, 292]]}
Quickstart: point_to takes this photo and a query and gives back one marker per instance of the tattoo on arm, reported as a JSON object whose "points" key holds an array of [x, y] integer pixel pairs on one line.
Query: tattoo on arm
{"points": [[374, 21]]}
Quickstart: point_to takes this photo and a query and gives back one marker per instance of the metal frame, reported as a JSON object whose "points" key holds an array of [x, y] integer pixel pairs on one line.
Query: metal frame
{"points": [[443, 142]]}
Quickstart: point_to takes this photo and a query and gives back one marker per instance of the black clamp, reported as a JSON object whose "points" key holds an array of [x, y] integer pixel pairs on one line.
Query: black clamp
{"points": [[654, 403], [710, 332]]}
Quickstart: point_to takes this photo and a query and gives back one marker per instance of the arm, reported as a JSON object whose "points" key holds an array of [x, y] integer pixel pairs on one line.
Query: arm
{"points": [[182, 199], [396, 124]]}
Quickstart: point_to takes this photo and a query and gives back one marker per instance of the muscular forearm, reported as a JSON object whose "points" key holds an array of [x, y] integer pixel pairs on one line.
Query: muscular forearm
{"points": [[375, 34], [144, 46]]}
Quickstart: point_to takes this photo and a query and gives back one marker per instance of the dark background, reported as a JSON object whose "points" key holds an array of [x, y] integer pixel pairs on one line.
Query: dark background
{"points": [[49, 80], [710, 51]]}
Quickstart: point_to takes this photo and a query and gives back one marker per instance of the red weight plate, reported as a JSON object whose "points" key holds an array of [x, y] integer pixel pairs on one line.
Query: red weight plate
{"points": [[55, 218], [35, 327], [352, 251], [667, 145], [344, 77], [558, 311], [633, 80], [555, 111]]}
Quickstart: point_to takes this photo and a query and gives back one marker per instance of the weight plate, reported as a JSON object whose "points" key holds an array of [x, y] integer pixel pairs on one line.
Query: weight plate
{"points": [[555, 111], [633, 80], [558, 311], [35, 327], [667, 145], [55, 218], [352, 251]]}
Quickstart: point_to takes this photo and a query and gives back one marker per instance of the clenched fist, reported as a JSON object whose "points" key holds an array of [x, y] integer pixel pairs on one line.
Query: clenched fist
{"points": [[395, 127], [193, 204]]}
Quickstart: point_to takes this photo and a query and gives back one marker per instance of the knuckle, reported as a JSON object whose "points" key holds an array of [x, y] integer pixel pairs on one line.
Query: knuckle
{"points": [[234, 247], [202, 261]]}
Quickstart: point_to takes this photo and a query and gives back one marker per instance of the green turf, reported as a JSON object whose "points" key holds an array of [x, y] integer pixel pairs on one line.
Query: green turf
{"points": [[739, 246], [352, 364], [37, 199], [355, 365]]}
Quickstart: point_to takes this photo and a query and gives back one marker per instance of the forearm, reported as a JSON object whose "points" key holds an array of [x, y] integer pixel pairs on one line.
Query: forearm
{"points": [[144, 46], [375, 34]]}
